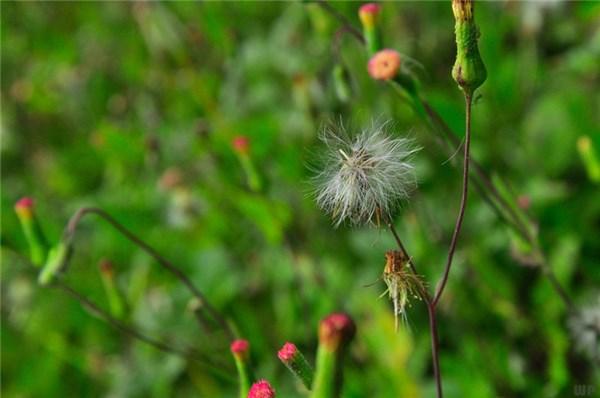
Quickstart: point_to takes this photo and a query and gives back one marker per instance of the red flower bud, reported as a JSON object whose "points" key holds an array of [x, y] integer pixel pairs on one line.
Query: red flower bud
{"points": [[336, 330], [261, 389], [368, 13], [241, 144], [24, 207], [287, 352], [240, 347]]}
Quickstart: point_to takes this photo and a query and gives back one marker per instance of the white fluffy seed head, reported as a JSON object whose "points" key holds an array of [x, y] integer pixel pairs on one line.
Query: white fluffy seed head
{"points": [[365, 176], [585, 330]]}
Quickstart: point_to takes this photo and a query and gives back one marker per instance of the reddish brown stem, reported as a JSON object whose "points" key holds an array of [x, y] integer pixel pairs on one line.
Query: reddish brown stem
{"points": [[463, 202]]}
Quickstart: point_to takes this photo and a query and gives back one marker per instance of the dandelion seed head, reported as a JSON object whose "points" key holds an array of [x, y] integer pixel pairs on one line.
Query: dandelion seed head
{"points": [[585, 330], [366, 176]]}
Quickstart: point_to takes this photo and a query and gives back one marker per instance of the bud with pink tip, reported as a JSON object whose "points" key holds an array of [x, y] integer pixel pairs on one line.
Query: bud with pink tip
{"points": [[261, 389], [384, 65], [335, 333], [240, 349], [241, 146], [369, 16], [38, 246], [116, 302], [293, 359]]}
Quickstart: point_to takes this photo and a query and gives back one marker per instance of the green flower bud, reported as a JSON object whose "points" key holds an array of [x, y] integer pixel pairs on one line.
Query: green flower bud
{"points": [[369, 18], [38, 246], [58, 258], [468, 71]]}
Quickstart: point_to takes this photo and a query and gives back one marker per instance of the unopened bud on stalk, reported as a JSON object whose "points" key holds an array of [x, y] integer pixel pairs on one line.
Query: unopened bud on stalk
{"points": [[384, 65], [38, 246], [296, 363], [241, 146], [241, 354], [369, 18], [116, 302], [58, 259], [341, 81], [261, 389], [335, 333], [468, 71], [589, 157]]}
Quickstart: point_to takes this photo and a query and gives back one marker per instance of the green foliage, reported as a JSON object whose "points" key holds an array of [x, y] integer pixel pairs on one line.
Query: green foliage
{"points": [[132, 107]]}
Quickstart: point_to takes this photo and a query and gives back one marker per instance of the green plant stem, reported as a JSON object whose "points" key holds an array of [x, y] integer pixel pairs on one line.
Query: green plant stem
{"points": [[325, 382], [245, 377], [74, 222]]}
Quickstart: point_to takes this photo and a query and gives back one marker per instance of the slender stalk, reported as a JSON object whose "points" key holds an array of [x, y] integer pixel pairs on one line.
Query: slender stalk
{"points": [[463, 201], [342, 19], [435, 356], [190, 353], [74, 222]]}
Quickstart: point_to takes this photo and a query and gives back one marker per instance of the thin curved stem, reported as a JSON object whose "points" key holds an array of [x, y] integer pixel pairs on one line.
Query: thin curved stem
{"points": [[463, 201], [343, 20], [203, 302], [190, 353]]}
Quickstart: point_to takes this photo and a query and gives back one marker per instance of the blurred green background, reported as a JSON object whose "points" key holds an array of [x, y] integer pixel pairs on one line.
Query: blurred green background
{"points": [[132, 107]]}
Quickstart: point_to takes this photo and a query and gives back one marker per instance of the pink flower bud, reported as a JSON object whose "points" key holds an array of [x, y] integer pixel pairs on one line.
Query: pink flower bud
{"points": [[241, 144], [287, 352], [240, 347], [336, 330], [384, 65], [24, 207], [368, 14], [261, 389]]}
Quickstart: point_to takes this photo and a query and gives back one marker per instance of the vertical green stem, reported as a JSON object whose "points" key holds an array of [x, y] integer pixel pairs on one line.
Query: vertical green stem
{"points": [[325, 383]]}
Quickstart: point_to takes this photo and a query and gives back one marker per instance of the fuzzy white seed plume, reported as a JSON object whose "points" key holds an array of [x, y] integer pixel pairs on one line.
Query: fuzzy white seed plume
{"points": [[365, 176], [585, 330]]}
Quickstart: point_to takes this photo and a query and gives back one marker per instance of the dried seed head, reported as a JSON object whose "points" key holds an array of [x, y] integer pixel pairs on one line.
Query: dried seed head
{"points": [[261, 389], [401, 283], [366, 176], [384, 65]]}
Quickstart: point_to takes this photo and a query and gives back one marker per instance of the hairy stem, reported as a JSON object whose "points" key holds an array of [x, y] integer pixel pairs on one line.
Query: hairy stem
{"points": [[74, 222]]}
